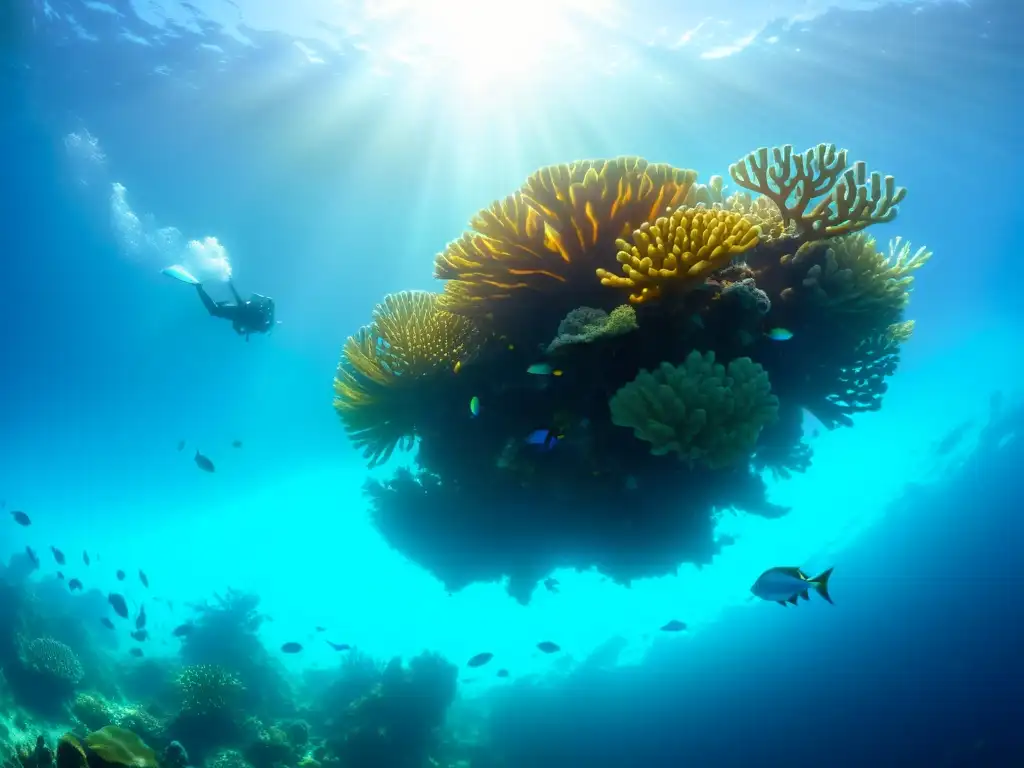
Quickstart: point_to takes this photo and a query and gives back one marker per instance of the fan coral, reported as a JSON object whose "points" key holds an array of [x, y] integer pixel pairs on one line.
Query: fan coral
{"points": [[208, 689], [555, 230], [118, 746], [410, 339], [52, 659], [587, 324], [703, 411], [794, 181], [679, 251]]}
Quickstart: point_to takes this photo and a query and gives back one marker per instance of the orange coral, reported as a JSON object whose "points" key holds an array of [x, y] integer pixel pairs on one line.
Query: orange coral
{"points": [[559, 226], [679, 251]]}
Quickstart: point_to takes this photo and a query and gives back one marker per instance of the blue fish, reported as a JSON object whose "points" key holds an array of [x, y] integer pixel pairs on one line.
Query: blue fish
{"points": [[543, 438], [786, 584]]}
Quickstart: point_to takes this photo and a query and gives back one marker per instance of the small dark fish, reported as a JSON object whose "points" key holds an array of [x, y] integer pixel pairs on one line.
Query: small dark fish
{"points": [[551, 585], [339, 646], [58, 556], [21, 518], [74, 585], [118, 604], [85, 558], [32, 556], [183, 630], [120, 575], [60, 575], [236, 443], [107, 623], [502, 673], [140, 620], [140, 635], [320, 629], [480, 659], [181, 445], [291, 648], [548, 647], [674, 626], [136, 652], [144, 579], [204, 463]]}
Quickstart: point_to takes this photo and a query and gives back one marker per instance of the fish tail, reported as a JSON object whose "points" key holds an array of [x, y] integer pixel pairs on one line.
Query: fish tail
{"points": [[820, 584]]}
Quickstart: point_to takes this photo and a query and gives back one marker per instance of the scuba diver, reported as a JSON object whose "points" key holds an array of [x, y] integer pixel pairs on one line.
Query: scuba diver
{"points": [[247, 316]]}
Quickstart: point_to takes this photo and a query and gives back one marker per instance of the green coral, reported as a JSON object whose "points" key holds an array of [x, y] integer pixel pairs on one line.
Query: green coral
{"points": [[587, 324], [702, 410], [119, 746], [52, 659], [208, 689]]}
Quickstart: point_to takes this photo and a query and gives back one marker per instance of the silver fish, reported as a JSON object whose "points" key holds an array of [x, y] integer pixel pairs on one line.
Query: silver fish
{"points": [[787, 584]]}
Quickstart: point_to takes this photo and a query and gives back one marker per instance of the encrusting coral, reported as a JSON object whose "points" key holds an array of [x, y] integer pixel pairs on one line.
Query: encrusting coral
{"points": [[702, 410], [679, 252], [605, 294]]}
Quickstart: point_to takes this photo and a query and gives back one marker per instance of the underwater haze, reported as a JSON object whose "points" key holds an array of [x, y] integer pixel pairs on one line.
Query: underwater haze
{"points": [[479, 466]]}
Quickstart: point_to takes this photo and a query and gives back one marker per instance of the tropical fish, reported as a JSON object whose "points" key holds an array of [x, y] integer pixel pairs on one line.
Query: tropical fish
{"points": [[544, 439], [85, 557], [136, 652], [457, 367], [140, 635], [144, 579], [674, 626], [32, 556], [21, 518], [551, 585], [178, 272], [339, 646], [548, 647], [291, 648], [58, 555], [183, 630], [474, 406], [779, 334], [543, 369], [480, 659], [117, 602], [60, 575], [786, 584], [120, 575], [107, 623], [140, 620], [203, 463], [74, 585], [181, 445], [236, 443], [502, 673]]}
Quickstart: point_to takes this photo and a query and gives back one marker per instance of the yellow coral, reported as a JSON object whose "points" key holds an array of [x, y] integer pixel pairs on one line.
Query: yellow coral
{"points": [[410, 339], [118, 746], [855, 277], [704, 411], [555, 230], [679, 251], [817, 192]]}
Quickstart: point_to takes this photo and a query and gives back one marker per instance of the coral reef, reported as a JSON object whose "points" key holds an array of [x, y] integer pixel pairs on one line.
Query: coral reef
{"points": [[554, 302], [52, 661]]}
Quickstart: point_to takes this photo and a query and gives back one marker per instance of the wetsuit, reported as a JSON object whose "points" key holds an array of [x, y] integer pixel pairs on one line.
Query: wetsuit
{"points": [[255, 315]]}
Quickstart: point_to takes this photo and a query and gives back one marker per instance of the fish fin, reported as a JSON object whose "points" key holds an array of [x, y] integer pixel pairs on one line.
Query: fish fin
{"points": [[781, 602], [804, 595], [792, 600], [796, 573], [820, 583]]}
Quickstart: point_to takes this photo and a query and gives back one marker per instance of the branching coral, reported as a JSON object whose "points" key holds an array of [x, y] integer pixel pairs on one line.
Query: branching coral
{"points": [[587, 324], [679, 252], [559, 227], [52, 659], [817, 192], [410, 339], [208, 689], [702, 410], [91, 711], [855, 277]]}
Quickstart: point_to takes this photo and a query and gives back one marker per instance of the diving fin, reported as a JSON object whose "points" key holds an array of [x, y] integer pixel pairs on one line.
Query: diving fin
{"points": [[178, 272]]}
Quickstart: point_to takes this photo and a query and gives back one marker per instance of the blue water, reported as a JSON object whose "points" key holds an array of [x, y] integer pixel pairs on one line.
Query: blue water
{"points": [[332, 149]]}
